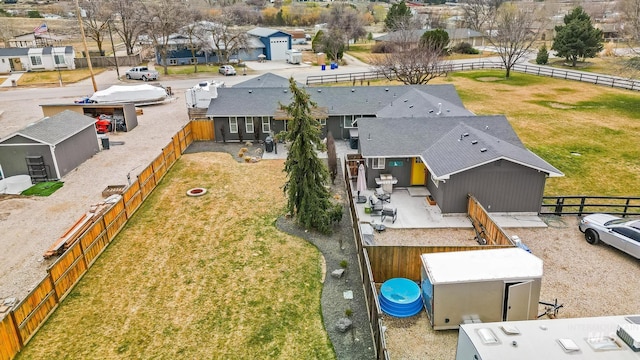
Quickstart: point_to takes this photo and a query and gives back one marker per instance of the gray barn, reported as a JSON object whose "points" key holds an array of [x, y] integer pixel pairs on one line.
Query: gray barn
{"points": [[56, 145]]}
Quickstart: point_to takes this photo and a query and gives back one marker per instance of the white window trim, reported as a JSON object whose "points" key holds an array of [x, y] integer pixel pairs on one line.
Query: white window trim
{"points": [[266, 125], [248, 123], [323, 122], [173, 62], [35, 60], [59, 59], [233, 125], [376, 163]]}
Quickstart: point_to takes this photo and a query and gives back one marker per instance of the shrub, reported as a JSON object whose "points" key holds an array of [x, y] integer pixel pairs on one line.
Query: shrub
{"points": [[382, 48], [634, 63], [543, 56], [464, 48]]}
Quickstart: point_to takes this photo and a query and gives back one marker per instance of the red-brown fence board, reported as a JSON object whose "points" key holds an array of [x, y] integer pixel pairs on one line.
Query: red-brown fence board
{"points": [[159, 168], [67, 270], [146, 180], [132, 198], [115, 219], [94, 241]]}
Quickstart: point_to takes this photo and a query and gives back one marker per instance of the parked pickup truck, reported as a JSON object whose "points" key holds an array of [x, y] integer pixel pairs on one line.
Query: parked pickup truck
{"points": [[141, 73]]}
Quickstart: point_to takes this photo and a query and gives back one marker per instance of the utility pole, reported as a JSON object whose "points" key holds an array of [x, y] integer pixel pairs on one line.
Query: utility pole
{"points": [[86, 49], [113, 48]]}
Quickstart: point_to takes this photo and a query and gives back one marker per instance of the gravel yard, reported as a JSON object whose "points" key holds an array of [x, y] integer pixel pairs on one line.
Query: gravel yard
{"points": [[588, 280], [30, 225]]}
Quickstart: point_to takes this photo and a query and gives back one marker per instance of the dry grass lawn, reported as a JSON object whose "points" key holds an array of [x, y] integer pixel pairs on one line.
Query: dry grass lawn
{"points": [[198, 277], [588, 132]]}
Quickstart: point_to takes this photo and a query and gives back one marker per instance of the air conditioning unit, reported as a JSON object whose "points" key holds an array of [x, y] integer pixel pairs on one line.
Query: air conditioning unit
{"points": [[630, 334]]}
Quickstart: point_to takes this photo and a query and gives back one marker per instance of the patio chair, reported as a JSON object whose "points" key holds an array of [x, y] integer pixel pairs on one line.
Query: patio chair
{"points": [[383, 196], [376, 205], [389, 212]]}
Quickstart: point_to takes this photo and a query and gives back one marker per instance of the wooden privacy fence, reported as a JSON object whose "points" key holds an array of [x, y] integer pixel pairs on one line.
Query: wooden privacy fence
{"points": [[487, 231], [24, 320], [583, 205]]}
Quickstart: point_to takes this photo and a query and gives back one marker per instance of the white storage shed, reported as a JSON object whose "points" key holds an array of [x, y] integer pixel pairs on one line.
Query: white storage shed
{"points": [[480, 286]]}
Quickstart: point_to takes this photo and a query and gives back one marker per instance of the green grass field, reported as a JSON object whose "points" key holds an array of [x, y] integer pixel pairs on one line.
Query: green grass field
{"points": [[205, 277]]}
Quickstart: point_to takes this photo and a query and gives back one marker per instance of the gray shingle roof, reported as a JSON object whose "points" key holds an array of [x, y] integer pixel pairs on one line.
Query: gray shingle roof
{"points": [[268, 80], [263, 32], [53, 130], [416, 103], [14, 51], [357, 100], [437, 140]]}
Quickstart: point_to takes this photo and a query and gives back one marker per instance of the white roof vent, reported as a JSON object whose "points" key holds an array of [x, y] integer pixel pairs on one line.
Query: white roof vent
{"points": [[483, 150], [473, 142]]}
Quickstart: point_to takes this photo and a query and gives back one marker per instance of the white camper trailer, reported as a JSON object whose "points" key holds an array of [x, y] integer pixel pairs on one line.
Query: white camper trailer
{"points": [[608, 337], [200, 95], [480, 286], [293, 56]]}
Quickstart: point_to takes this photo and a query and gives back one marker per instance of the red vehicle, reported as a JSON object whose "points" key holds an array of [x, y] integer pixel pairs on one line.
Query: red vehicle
{"points": [[103, 124]]}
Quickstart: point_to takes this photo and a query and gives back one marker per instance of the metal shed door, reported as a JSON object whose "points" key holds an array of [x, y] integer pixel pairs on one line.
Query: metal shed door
{"points": [[516, 300], [279, 45]]}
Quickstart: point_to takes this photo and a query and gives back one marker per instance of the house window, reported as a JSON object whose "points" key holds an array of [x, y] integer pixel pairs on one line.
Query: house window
{"points": [[248, 125], [193, 61], [233, 125], [173, 62], [377, 163], [349, 121], [266, 125], [59, 59], [323, 122], [36, 60]]}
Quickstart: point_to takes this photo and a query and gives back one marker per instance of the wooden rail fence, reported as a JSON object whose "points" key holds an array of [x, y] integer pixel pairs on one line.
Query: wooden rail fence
{"points": [[582, 205], [24, 320], [597, 79]]}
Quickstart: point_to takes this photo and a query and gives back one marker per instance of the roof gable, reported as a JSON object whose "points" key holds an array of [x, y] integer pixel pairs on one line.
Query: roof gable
{"points": [[55, 129], [266, 32], [268, 80]]}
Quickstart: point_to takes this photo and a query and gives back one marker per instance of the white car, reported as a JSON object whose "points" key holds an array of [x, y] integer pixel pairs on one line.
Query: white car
{"points": [[227, 70], [623, 234]]}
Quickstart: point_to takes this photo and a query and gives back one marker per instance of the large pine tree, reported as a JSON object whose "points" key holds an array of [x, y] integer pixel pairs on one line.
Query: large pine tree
{"points": [[577, 38], [307, 176]]}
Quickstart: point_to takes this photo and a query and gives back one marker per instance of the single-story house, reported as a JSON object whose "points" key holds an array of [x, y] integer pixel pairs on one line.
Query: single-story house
{"points": [[243, 109], [49, 148], [34, 59], [266, 42], [422, 135], [455, 156], [30, 40], [456, 36]]}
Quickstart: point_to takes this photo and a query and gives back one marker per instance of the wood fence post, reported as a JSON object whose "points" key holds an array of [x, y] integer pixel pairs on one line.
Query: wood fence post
{"points": [[17, 329]]}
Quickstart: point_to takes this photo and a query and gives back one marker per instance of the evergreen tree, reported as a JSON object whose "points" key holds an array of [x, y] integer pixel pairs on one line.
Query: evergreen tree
{"points": [[436, 40], [543, 55], [397, 15], [307, 176], [577, 38]]}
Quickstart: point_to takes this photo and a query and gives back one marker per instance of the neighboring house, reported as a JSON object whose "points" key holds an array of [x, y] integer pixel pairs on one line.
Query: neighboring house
{"points": [[62, 142], [30, 40], [34, 59], [270, 43], [456, 36], [276, 42], [420, 134]]}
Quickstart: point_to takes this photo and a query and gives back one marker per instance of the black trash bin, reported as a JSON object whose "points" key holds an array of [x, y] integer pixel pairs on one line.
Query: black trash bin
{"points": [[268, 144], [105, 143], [353, 138]]}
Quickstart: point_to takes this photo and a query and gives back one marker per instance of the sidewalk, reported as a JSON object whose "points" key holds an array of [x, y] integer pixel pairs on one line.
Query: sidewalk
{"points": [[9, 81]]}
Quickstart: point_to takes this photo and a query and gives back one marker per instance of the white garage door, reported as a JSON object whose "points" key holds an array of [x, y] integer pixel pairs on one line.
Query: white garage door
{"points": [[278, 47]]}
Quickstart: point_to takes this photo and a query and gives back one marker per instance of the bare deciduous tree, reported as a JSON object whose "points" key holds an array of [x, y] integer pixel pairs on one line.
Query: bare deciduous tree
{"points": [[415, 62], [478, 13], [347, 22], [164, 18], [95, 21], [227, 39], [630, 10], [510, 33], [130, 25], [196, 35]]}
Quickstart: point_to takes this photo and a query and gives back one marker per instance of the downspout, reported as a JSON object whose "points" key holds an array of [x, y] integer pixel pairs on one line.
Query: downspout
{"points": [[55, 161]]}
